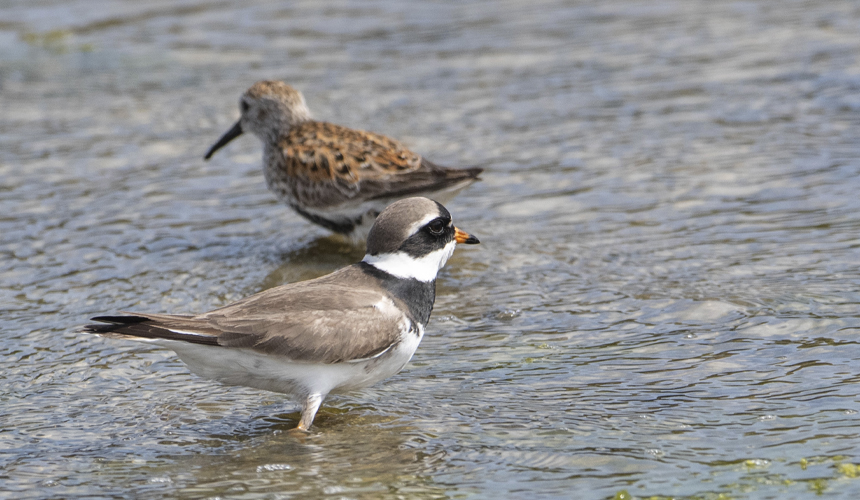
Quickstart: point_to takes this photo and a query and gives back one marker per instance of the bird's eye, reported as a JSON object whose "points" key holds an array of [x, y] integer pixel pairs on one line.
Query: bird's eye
{"points": [[244, 106], [436, 227]]}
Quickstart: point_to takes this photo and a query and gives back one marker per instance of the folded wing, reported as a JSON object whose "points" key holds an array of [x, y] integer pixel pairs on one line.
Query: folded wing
{"points": [[350, 161], [299, 323]]}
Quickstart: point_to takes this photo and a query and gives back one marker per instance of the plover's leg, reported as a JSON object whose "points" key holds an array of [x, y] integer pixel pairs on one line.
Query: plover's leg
{"points": [[309, 410]]}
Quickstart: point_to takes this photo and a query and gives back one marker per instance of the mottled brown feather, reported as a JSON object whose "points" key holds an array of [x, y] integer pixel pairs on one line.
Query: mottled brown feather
{"points": [[327, 165], [323, 151]]}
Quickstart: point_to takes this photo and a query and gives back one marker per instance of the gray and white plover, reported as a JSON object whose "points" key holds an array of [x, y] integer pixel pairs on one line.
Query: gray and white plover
{"points": [[343, 331]]}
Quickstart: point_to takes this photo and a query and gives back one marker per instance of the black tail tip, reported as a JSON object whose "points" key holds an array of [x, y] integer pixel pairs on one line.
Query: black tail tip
{"points": [[474, 172], [120, 320]]}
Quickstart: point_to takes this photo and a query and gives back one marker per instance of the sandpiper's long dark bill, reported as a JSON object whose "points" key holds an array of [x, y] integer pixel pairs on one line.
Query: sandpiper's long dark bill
{"points": [[343, 331], [337, 177]]}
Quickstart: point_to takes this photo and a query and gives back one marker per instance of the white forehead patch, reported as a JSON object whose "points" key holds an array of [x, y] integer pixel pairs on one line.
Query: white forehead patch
{"points": [[416, 226]]}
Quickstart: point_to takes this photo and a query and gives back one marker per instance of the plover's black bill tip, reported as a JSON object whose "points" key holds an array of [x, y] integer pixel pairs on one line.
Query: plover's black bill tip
{"points": [[231, 134], [461, 236]]}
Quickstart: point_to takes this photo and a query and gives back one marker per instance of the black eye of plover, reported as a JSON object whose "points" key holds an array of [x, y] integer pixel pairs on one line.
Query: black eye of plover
{"points": [[244, 106], [436, 226]]}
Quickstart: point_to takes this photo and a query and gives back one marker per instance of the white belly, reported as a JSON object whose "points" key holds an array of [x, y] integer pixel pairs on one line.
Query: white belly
{"points": [[252, 369]]}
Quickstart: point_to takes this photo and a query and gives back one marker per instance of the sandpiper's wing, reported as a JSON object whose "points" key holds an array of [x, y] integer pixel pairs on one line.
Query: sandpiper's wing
{"points": [[318, 321], [336, 164], [427, 179]]}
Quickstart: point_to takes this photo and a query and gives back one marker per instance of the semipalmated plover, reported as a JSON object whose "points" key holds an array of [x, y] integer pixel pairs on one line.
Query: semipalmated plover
{"points": [[337, 177], [346, 330]]}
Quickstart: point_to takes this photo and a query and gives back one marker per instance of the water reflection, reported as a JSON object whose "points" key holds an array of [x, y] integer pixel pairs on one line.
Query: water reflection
{"points": [[317, 258]]}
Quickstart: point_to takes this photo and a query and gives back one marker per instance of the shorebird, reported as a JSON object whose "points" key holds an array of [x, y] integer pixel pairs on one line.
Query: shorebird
{"points": [[334, 176], [343, 331]]}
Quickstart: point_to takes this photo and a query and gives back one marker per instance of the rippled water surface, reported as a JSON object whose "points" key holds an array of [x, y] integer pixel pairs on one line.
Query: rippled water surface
{"points": [[665, 303]]}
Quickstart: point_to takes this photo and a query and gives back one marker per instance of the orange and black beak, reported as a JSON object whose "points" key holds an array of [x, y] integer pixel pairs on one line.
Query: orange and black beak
{"points": [[464, 237], [231, 134]]}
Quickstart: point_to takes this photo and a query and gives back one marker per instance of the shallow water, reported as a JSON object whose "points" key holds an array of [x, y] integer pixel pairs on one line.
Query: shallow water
{"points": [[664, 304]]}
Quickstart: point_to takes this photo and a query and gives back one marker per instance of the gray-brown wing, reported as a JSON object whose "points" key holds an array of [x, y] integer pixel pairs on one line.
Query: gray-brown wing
{"points": [[428, 178], [304, 323], [330, 165]]}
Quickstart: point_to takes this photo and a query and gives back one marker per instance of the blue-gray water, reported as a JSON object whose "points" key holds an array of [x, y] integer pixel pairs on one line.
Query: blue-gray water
{"points": [[665, 302]]}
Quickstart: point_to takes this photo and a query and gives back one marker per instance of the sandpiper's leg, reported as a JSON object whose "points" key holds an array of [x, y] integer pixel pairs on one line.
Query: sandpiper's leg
{"points": [[309, 410]]}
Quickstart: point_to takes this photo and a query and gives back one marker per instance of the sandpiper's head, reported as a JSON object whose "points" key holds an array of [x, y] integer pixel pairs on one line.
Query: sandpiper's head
{"points": [[269, 109], [413, 238]]}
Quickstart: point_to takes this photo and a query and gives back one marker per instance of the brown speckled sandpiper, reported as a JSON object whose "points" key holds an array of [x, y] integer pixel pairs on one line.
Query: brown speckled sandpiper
{"points": [[334, 176]]}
